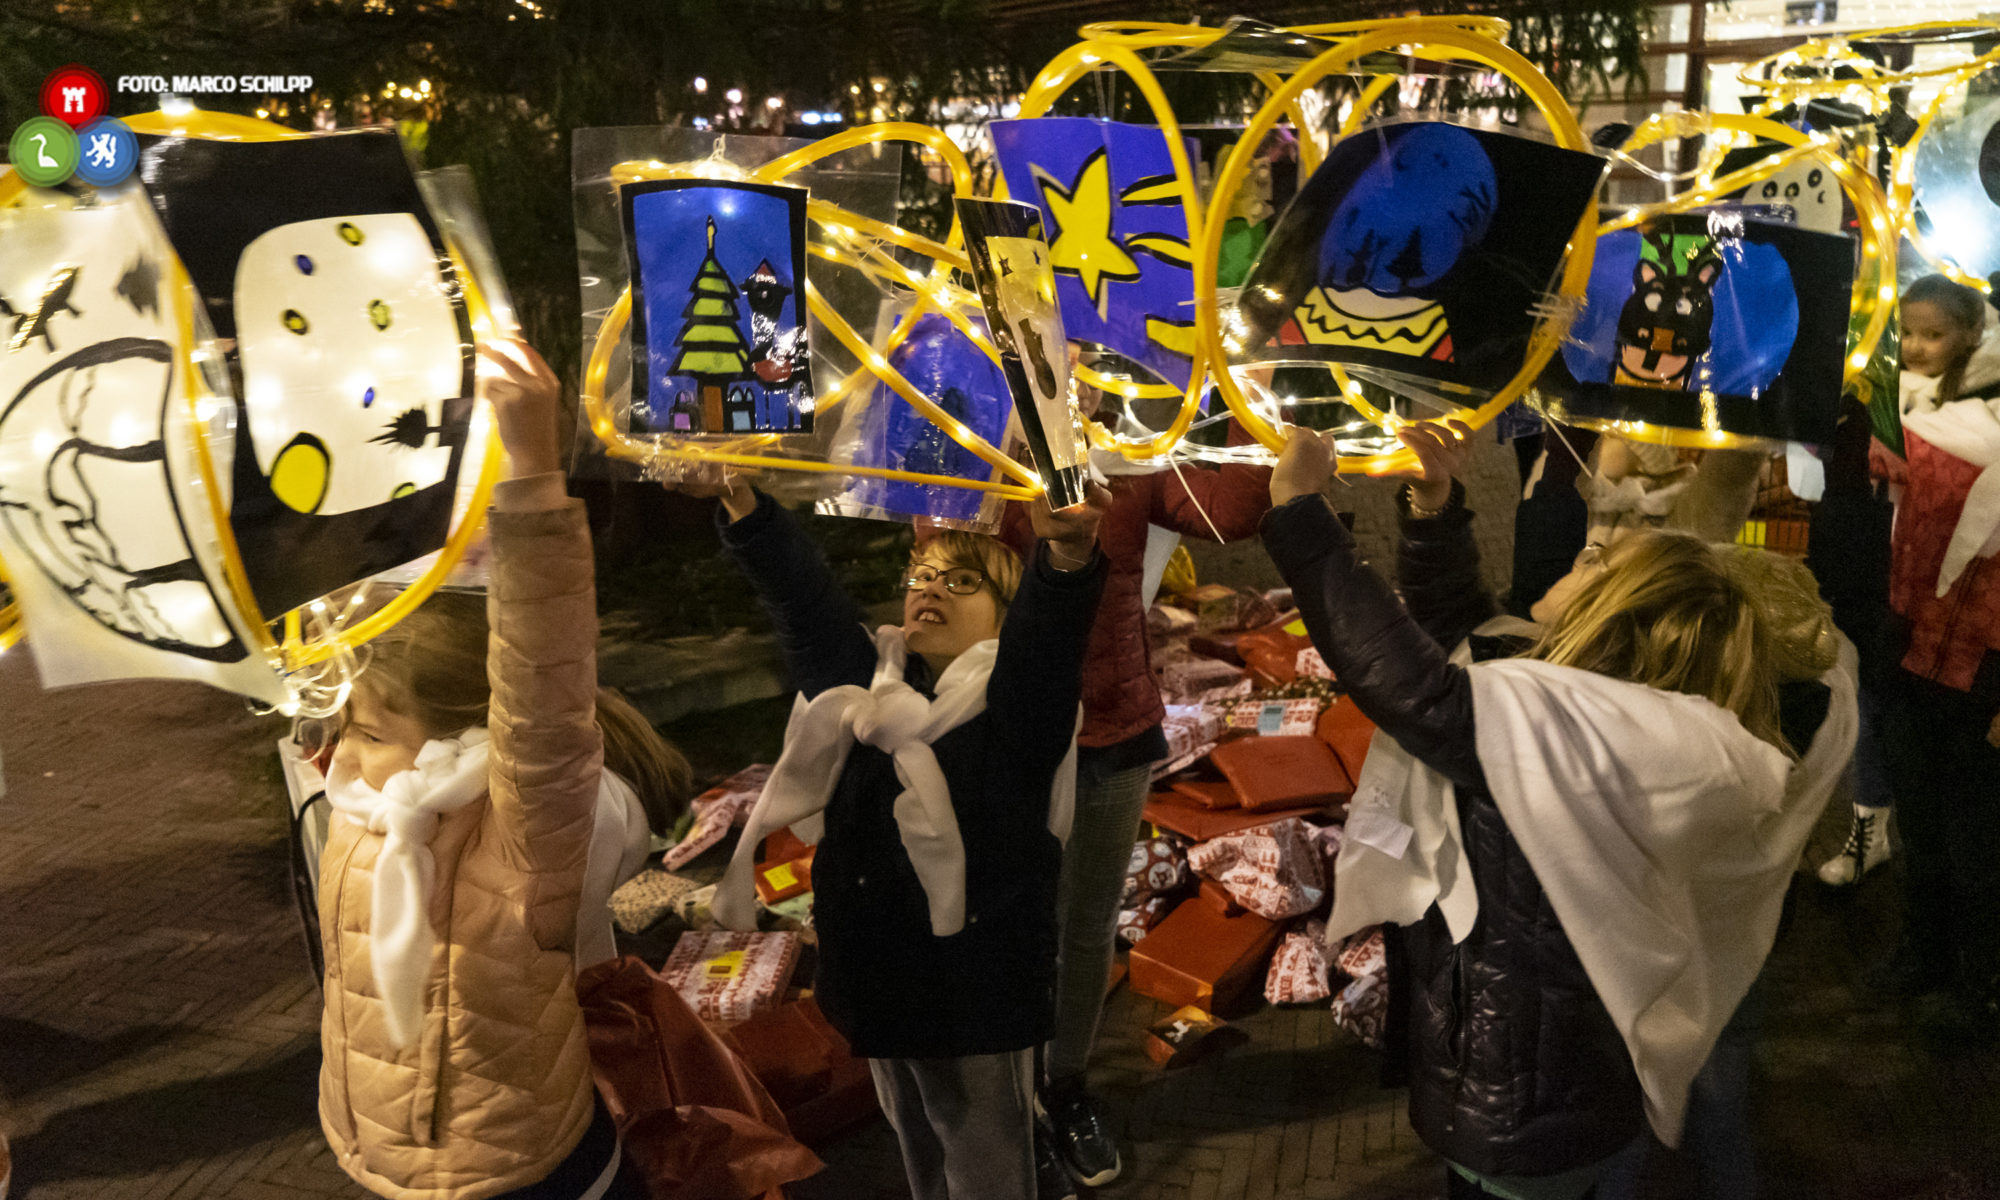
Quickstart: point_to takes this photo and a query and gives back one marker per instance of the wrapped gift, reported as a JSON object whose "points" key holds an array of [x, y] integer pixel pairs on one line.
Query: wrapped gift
{"points": [[1282, 772], [1309, 665], [1189, 727], [1173, 811], [1158, 865], [1326, 839], [1298, 972], [808, 1069], [1183, 1037], [1168, 620], [1215, 606], [696, 908], [1218, 646], [783, 846], [1183, 678], [716, 811], [1220, 698], [1362, 1009], [1140, 919], [780, 881], [1200, 957], [1273, 870], [1280, 718], [1209, 793], [1343, 728], [1216, 896], [1272, 651], [641, 901], [725, 977], [1363, 954]]}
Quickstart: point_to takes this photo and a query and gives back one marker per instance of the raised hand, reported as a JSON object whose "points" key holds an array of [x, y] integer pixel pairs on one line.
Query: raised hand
{"points": [[1304, 468], [1071, 533], [1444, 453], [527, 404]]}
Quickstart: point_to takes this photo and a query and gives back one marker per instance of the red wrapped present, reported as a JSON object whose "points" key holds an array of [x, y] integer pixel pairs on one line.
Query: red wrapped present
{"points": [[1282, 772], [1158, 865], [1217, 897], [1272, 651], [1200, 957], [1273, 870], [1298, 972], [808, 1069], [780, 881], [1182, 1037], [726, 977], [1343, 727], [1140, 919], [1309, 665], [1167, 620], [1363, 954], [1176, 812], [1182, 678], [783, 846], [1296, 717], [1209, 793], [716, 811]]}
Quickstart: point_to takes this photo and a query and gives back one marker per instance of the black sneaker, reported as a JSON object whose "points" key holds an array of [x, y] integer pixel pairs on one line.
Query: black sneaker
{"points": [[1082, 1138], [1052, 1181]]}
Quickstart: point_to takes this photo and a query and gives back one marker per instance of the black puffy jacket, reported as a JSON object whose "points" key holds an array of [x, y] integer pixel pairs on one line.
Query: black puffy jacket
{"points": [[1514, 1066]]}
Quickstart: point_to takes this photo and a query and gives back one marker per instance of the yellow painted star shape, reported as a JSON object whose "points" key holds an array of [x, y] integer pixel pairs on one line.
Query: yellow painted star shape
{"points": [[1083, 245]]}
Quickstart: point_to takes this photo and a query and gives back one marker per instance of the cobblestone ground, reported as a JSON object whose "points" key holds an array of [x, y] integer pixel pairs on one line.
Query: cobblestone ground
{"points": [[158, 1025]]}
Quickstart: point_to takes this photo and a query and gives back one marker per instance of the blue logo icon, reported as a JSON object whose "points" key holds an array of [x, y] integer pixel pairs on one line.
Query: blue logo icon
{"points": [[107, 152]]}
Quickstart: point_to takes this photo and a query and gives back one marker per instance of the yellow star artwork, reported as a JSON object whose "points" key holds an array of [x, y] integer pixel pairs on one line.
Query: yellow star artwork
{"points": [[1084, 245]]}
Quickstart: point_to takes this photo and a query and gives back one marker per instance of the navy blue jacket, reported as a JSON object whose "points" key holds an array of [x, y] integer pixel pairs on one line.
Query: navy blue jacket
{"points": [[892, 988]]}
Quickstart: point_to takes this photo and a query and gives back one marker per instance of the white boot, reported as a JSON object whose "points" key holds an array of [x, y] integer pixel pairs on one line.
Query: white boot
{"points": [[1867, 848]]}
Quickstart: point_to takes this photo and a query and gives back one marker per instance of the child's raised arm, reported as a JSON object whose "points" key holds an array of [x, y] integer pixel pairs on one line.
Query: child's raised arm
{"points": [[542, 656]]}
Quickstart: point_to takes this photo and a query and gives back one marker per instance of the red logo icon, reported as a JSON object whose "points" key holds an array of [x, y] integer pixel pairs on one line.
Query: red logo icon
{"points": [[75, 95]]}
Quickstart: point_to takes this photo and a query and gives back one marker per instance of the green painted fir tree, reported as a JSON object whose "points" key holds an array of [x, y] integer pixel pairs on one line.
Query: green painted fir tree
{"points": [[712, 345]]}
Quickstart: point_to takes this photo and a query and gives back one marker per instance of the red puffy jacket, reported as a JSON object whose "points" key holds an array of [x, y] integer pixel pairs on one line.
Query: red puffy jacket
{"points": [[1120, 697]]}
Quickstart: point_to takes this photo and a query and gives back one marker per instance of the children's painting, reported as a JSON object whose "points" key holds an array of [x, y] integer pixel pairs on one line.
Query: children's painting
{"points": [[321, 270], [99, 526], [1417, 249], [718, 307], [1712, 321], [1804, 191], [1118, 236], [940, 361], [1017, 288]]}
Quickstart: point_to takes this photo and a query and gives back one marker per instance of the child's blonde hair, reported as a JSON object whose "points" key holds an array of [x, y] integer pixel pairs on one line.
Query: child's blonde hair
{"points": [[431, 666], [958, 548], [1665, 612]]}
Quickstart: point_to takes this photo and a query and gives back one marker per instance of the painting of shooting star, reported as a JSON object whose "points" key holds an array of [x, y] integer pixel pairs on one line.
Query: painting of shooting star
{"points": [[1417, 249], [109, 553], [1118, 236], [1713, 322], [718, 276], [320, 268]]}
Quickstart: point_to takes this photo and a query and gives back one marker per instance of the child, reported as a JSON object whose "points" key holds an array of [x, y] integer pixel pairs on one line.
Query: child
{"points": [[1626, 783], [466, 785], [1943, 727], [941, 757]]}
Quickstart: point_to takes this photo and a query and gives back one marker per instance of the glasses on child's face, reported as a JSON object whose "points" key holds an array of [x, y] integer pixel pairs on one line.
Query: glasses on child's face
{"points": [[959, 581]]}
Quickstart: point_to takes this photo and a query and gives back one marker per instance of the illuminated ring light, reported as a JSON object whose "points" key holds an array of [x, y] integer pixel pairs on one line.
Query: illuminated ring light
{"points": [[10, 618], [1874, 293], [1903, 175], [853, 236], [1442, 39], [298, 651], [1760, 75], [1113, 45]]}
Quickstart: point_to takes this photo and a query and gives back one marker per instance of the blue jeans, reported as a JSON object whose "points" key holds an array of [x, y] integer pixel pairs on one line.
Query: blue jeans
{"points": [[1716, 1136]]}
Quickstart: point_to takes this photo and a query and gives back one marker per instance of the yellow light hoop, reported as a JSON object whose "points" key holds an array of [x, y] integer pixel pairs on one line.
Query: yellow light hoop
{"points": [[1903, 179], [839, 222], [10, 616], [1163, 35], [1063, 72], [1838, 45], [1874, 289], [1428, 37]]}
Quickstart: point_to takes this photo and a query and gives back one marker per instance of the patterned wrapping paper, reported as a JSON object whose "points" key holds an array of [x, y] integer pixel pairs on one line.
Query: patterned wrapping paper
{"points": [[1326, 839], [1135, 922], [1273, 870], [1191, 731], [1219, 609], [716, 811], [1167, 621], [1296, 717], [728, 976], [1363, 954], [1222, 697], [1311, 666], [647, 897], [1189, 675], [1159, 865], [1362, 1007], [1299, 970]]}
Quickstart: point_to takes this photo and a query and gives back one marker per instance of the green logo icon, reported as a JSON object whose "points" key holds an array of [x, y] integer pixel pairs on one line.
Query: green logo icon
{"points": [[43, 151]]}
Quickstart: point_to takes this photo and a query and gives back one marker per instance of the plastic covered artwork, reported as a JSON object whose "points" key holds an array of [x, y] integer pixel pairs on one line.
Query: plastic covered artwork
{"points": [[1711, 322], [1118, 233], [1957, 185], [718, 308], [1418, 249], [316, 260], [103, 516]]}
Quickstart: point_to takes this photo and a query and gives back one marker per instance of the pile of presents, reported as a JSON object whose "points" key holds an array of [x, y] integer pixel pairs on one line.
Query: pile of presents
{"points": [[1229, 881], [1233, 873]]}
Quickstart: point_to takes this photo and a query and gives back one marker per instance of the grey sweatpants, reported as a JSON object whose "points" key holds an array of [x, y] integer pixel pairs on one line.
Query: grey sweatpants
{"points": [[1095, 861], [966, 1125]]}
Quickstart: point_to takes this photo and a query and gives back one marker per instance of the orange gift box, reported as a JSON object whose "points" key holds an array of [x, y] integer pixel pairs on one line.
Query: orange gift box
{"points": [[1273, 651], [780, 881], [1282, 772], [1347, 731], [1199, 957], [1180, 814], [1209, 793]]}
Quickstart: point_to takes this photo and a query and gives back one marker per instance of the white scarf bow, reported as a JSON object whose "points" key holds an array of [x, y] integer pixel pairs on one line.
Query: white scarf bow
{"points": [[893, 717], [1967, 430]]}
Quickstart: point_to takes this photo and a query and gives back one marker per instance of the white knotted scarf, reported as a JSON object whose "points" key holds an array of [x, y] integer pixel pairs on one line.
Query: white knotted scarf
{"points": [[895, 718], [1967, 430]]}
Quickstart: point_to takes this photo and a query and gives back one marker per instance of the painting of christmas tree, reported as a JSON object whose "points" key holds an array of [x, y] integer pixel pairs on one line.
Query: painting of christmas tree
{"points": [[711, 354]]}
